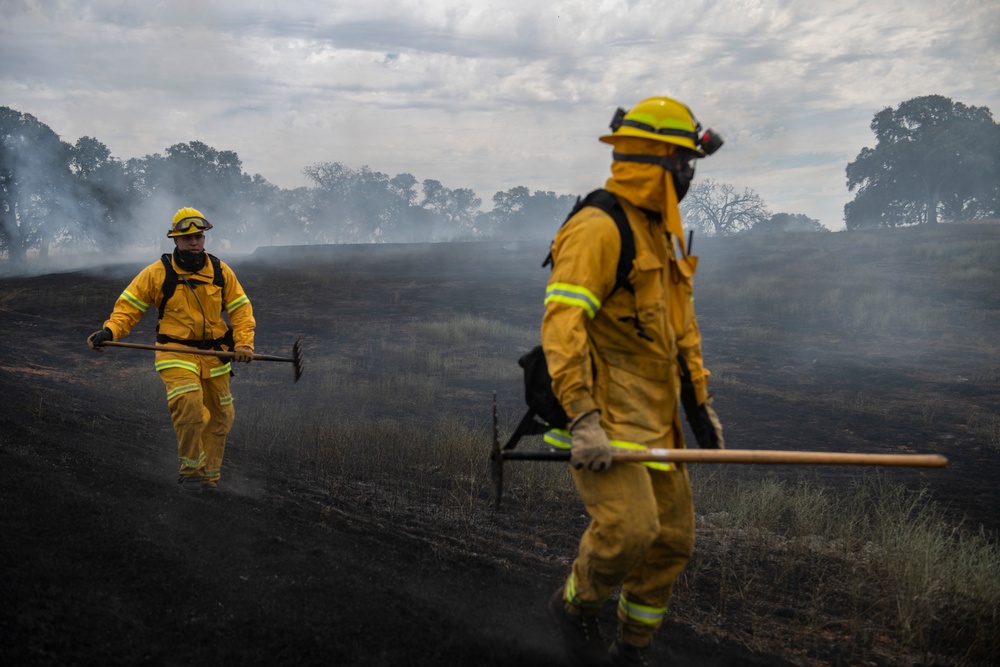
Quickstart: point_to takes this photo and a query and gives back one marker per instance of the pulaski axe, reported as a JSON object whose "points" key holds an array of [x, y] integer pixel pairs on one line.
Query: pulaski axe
{"points": [[295, 359], [758, 456]]}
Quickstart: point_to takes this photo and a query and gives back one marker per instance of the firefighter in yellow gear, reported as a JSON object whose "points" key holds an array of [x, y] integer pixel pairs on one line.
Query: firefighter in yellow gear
{"points": [[616, 358], [194, 293]]}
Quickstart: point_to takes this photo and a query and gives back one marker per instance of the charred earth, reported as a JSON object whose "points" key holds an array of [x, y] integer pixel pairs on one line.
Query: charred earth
{"points": [[330, 545]]}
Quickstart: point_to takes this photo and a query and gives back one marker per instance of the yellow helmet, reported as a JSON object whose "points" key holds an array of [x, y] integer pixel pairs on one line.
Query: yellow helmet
{"points": [[663, 119], [188, 221]]}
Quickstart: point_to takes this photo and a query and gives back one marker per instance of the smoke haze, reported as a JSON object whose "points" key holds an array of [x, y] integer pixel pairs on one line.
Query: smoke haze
{"points": [[491, 98]]}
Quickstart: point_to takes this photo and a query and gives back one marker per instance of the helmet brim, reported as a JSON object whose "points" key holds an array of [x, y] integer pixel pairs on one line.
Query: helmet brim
{"points": [[625, 131]]}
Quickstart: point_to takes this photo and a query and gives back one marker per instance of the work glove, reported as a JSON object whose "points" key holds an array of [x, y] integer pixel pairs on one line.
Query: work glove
{"points": [[706, 426], [97, 339], [590, 449], [243, 355]]}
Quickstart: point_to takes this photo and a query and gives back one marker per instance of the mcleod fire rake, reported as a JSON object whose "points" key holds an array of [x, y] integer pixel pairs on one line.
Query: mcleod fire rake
{"points": [[754, 456], [295, 359]]}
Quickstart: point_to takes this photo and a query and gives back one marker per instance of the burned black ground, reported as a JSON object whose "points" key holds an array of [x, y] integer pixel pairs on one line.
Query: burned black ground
{"points": [[105, 562]]}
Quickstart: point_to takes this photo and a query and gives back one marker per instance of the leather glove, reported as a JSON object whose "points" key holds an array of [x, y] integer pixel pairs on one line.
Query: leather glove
{"points": [[590, 449], [97, 339], [706, 427], [243, 355]]}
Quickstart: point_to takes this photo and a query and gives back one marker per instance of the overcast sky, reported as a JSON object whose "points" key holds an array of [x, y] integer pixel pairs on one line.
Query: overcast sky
{"points": [[490, 95]]}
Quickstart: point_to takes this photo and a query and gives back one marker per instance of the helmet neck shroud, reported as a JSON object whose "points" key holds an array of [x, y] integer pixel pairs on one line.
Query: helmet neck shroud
{"points": [[680, 164]]}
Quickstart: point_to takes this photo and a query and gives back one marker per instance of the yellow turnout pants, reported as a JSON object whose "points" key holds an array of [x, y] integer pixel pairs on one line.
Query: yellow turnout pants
{"points": [[201, 409], [641, 536]]}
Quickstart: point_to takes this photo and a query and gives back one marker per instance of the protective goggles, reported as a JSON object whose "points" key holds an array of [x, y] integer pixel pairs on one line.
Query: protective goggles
{"points": [[184, 226]]}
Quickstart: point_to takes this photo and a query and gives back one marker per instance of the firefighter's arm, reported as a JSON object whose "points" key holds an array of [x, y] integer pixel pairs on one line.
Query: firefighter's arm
{"points": [[135, 300], [240, 311], [585, 253], [564, 339]]}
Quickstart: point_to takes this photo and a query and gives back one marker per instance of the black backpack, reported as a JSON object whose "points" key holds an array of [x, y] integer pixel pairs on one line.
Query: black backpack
{"points": [[544, 410]]}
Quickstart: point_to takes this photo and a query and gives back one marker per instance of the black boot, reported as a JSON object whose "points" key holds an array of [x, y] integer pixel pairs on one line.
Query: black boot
{"points": [[626, 655], [581, 635]]}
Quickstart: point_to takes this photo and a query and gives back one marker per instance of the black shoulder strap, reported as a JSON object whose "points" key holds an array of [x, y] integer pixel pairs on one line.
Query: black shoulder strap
{"points": [[169, 282], [171, 279], [218, 279], [609, 203]]}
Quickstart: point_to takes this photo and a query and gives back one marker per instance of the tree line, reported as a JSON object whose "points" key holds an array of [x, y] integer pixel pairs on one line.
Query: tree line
{"points": [[935, 160]]}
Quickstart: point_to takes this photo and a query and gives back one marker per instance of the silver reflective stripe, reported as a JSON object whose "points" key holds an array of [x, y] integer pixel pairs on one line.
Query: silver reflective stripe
{"points": [[135, 301], [573, 295], [221, 370], [237, 303], [640, 612], [636, 447], [192, 463], [183, 389], [176, 363], [559, 438]]}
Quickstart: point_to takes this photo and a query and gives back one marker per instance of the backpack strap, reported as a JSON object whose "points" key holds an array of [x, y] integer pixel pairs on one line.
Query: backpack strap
{"points": [[169, 282], [607, 202]]}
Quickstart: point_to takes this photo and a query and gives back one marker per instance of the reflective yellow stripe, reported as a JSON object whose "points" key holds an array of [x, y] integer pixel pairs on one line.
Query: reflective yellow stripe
{"points": [[656, 123], [176, 363], [561, 439], [640, 612], [237, 303], [573, 295], [636, 447], [192, 463], [570, 596], [221, 370], [558, 438], [183, 389], [135, 301], [226, 400]]}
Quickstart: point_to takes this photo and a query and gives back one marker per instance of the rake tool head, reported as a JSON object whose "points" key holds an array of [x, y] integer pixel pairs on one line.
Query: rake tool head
{"points": [[297, 361]]}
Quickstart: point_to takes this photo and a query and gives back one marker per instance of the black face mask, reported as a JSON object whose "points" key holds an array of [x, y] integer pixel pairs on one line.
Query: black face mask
{"points": [[189, 261], [682, 170]]}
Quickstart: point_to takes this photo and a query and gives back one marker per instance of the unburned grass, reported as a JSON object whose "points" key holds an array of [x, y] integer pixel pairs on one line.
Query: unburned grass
{"points": [[875, 559]]}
